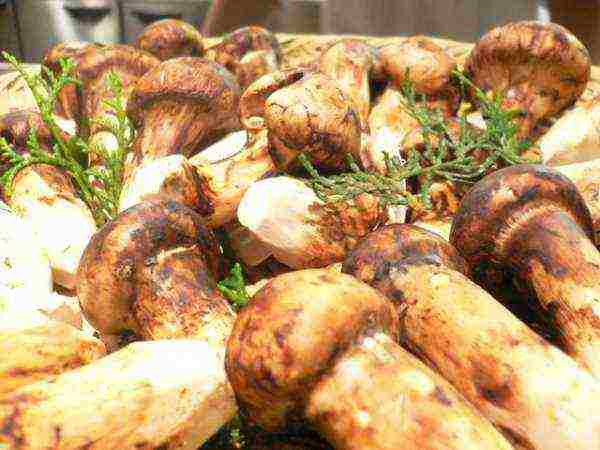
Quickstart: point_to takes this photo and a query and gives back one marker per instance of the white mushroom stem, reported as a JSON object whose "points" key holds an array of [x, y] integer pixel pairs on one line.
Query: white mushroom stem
{"points": [[34, 348], [167, 394], [45, 197], [574, 137]]}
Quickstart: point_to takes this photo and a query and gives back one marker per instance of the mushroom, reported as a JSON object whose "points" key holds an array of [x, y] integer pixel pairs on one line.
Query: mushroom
{"points": [[286, 215], [539, 68], [312, 115], [522, 384], [319, 346], [35, 348], [181, 106], [248, 53], [532, 221], [45, 197], [168, 394], [15, 95], [152, 270], [170, 38]]}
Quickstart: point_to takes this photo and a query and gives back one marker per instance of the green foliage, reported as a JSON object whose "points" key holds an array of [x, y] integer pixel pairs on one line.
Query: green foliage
{"points": [[234, 288], [100, 186], [442, 156]]}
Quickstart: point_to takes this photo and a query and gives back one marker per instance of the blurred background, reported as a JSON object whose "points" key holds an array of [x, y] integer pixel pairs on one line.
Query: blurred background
{"points": [[29, 27]]}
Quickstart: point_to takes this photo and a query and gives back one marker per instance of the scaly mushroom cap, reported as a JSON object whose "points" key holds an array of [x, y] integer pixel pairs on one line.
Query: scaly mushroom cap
{"points": [[248, 53], [489, 221], [68, 100], [395, 247], [155, 261], [427, 65], [15, 127], [354, 65], [540, 68], [312, 115], [284, 341], [96, 64], [170, 38]]}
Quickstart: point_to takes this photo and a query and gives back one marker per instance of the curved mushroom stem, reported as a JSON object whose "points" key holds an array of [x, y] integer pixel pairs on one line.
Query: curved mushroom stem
{"points": [[379, 396], [541, 231], [499, 364], [319, 345]]}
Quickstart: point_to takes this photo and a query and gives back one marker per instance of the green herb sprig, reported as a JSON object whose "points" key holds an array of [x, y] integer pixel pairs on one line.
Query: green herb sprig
{"points": [[234, 288], [99, 187], [442, 157]]}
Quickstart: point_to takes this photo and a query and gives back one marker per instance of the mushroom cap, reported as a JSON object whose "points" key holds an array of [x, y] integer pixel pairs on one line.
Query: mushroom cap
{"points": [[284, 341], [491, 213], [16, 126], [397, 246], [540, 68], [68, 104], [428, 66], [186, 79], [312, 115], [110, 274], [170, 38], [244, 52]]}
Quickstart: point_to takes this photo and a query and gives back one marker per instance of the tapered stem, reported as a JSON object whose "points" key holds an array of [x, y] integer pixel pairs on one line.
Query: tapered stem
{"points": [[377, 396]]}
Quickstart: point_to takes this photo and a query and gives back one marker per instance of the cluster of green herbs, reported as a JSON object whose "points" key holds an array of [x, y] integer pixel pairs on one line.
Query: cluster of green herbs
{"points": [[442, 156], [99, 186]]}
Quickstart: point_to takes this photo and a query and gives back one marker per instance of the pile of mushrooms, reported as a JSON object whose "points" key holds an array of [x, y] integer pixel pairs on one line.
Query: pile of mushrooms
{"points": [[369, 326]]}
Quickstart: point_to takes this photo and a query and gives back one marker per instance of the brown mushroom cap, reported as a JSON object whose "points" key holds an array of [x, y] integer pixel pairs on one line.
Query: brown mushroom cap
{"points": [[15, 127], [244, 53], [428, 66], [394, 247], [170, 38], [186, 80], [490, 215], [155, 260], [540, 68], [312, 115], [68, 101], [290, 334]]}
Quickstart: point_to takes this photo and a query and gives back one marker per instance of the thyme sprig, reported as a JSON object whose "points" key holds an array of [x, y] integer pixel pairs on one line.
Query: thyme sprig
{"points": [[443, 157], [100, 186]]}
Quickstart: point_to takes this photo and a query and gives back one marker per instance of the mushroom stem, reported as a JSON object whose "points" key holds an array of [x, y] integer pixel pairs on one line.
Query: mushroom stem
{"points": [[541, 230], [499, 364], [379, 396], [171, 395], [562, 265]]}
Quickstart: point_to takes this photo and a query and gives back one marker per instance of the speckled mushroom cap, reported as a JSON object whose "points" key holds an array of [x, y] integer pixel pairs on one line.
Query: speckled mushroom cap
{"points": [[493, 212], [187, 79], [312, 115], [15, 128], [540, 68], [393, 247], [170, 38], [236, 51], [123, 267], [285, 340]]}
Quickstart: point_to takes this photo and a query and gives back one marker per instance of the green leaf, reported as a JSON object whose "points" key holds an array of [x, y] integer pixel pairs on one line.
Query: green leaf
{"points": [[234, 287]]}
